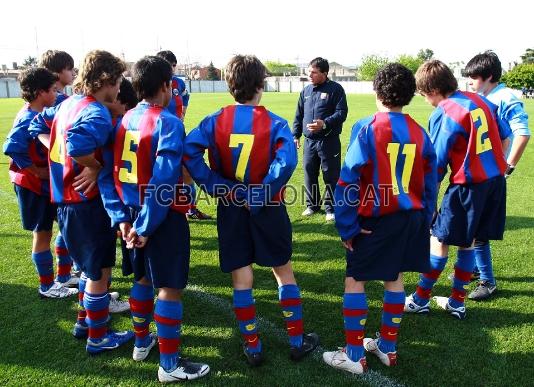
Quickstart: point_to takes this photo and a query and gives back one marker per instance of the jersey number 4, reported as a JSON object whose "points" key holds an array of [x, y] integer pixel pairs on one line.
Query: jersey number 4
{"points": [[393, 151], [247, 140], [131, 138]]}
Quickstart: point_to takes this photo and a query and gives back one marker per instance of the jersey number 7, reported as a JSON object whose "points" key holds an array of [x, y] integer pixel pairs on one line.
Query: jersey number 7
{"points": [[247, 140]]}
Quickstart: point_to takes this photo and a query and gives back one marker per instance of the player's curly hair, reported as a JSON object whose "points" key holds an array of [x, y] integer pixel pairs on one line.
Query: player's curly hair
{"points": [[484, 65], [435, 76], [394, 85], [56, 61], [99, 69], [127, 95], [34, 80], [245, 74]]}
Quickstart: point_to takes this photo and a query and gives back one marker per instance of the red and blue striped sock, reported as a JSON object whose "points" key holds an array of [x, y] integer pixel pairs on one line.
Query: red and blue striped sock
{"points": [[64, 262], [291, 303], [97, 308], [82, 314], [462, 275], [391, 320], [428, 280], [245, 312], [168, 316], [141, 305], [355, 312], [44, 264]]}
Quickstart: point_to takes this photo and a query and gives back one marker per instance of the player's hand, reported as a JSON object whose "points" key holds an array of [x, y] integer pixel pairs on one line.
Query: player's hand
{"points": [[141, 242], [125, 228], [348, 244], [316, 125], [133, 240], [86, 180], [297, 142]]}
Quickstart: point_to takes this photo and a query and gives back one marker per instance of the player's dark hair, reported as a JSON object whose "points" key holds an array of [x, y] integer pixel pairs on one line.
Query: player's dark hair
{"points": [[149, 74], [484, 65], [168, 56], [127, 95], [394, 85], [435, 76], [99, 69], [245, 74], [321, 64], [56, 61], [34, 80]]}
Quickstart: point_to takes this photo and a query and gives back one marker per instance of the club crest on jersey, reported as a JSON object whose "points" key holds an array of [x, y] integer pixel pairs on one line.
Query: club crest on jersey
{"points": [[175, 92]]}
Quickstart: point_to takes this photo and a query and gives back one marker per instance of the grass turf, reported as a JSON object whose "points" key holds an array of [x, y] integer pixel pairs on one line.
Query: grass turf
{"points": [[493, 346]]}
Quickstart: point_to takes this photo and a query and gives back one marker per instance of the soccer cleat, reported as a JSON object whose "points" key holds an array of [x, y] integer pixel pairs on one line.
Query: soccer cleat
{"points": [[58, 291], [410, 306], [339, 359], [254, 359], [483, 291], [80, 331], [308, 212], [109, 342], [186, 370], [116, 305], [371, 346], [443, 303], [141, 353], [195, 213], [310, 341], [72, 282], [330, 217]]}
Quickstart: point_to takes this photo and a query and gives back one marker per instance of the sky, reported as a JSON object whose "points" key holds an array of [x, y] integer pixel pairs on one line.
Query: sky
{"points": [[290, 31]]}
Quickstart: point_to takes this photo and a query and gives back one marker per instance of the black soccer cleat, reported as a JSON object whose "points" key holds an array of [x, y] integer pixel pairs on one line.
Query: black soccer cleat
{"points": [[310, 341], [254, 359]]}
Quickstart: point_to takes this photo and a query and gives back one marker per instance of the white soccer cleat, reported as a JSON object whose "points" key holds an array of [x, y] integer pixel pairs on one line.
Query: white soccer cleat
{"points": [[443, 303], [72, 282], [116, 305], [410, 306], [186, 370], [371, 346], [141, 353], [330, 217], [339, 359], [57, 290]]}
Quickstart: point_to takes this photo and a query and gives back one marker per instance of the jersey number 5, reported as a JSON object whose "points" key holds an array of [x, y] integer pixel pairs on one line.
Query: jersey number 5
{"points": [[482, 144], [129, 175], [247, 140], [409, 151], [57, 150]]}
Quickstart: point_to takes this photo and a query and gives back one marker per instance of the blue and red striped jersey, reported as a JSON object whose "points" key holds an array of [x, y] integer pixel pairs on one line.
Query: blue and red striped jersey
{"points": [[179, 98], [247, 145], [79, 126], [60, 97], [390, 166], [26, 151], [467, 137], [147, 169]]}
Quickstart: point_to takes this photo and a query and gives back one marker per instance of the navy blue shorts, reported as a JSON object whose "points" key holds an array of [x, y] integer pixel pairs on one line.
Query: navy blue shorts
{"points": [[36, 211], [469, 212], [88, 234], [165, 259], [398, 243], [244, 239]]}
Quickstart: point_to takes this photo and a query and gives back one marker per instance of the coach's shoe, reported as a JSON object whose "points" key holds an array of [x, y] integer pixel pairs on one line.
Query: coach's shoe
{"points": [[109, 342], [339, 359], [57, 291], [72, 282], [254, 359], [410, 306], [371, 346], [186, 370], [195, 213], [116, 305], [308, 212], [443, 303], [80, 331], [310, 341], [141, 353], [483, 291], [330, 217]]}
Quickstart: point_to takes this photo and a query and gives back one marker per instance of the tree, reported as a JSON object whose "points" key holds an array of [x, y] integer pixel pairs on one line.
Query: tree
{"points": [[520, 76], [213, 74], [425, 54], [528, 56], [281, 69], [370, 66], [30, 61], [411, 62]]}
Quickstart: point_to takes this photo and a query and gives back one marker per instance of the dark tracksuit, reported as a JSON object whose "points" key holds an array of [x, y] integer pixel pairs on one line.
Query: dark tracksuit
{"points": [[322, 149]]}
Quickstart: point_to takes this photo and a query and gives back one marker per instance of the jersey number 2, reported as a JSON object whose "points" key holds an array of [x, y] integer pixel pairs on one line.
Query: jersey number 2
{"points": [[409, 151], [129, 175], [247, 140], [482, 144]]}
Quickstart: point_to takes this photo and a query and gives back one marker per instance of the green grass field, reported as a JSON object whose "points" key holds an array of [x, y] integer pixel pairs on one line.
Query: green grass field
{"points": [[494, 346]]}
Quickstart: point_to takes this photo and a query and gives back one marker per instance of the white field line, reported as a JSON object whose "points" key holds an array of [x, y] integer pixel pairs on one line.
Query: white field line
{"points": [[371, 377]]}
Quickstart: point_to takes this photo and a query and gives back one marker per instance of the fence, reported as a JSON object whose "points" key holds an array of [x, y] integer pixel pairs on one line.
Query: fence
{"points": [[9, 88]]}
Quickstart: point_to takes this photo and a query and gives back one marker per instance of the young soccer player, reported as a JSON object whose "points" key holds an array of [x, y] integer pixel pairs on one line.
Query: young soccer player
{"points": [[147, 168], [76, 131], [484, 71], [385, 198], [178, 107], [251, 150], [468, 139], [29, 174]]}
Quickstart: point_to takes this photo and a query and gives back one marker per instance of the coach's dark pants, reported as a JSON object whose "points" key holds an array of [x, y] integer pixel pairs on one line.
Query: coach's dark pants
{"points": [[326, 155]]}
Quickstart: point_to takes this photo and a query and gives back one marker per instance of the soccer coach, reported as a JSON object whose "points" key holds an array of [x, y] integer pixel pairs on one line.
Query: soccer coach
{"points": [[321, 111]]}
